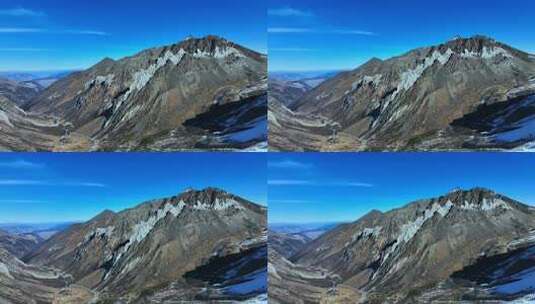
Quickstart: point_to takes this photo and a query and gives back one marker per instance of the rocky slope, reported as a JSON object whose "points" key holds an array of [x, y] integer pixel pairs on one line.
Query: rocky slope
{"points": [[18, 244], [19, 92], [139, 101], [287, 92], [206, 93], [402, 255], [23, 131], [467, 93], [286, 244], [147, 251], [21, 283]]}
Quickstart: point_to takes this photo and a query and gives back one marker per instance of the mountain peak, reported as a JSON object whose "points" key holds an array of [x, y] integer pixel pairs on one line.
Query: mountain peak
{"points": [[472, 191], [209, 196], [476, 43], [478, 198], [208, 44]]}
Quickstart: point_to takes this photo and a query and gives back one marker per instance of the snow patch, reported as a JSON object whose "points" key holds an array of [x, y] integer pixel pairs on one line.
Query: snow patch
{"points": [[143, 76], [524, 129], [5, 271], [520, 282], [367, 232], [409, 77], [101, 80], [528, 239], [99, 232], [218, 53], [486, 53], [260, 299], [143, 228], [410, 229], [5, 119], [130, 266], [486, 205], [375, 80], [254, 282], [218, 205]]}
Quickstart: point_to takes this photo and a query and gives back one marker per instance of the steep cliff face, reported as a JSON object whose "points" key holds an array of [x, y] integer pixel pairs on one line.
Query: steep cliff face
{"points": [[402, 254], [141, 250], [415, 101], [201, 93]]}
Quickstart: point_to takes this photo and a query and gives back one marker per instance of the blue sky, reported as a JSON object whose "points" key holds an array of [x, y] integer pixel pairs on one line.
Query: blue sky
{"points": [[330, 187], [43, 187], [67, 34], [340, 34]]}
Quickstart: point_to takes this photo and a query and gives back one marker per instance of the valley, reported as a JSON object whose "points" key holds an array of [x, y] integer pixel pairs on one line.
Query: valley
{"points": [[465, 94], [198, 94], [467, 245], [200, 246]]}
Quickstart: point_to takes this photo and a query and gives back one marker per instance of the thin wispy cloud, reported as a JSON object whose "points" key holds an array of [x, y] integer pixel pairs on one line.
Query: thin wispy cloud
{"points": [[299, 182], [23, 50], [287, 182], [85, 32], [31, 182], [20, 30], [297, 30], [20, 182], [289, 201], [353, 32], [291, 49], [289, 12], [21, 12], [352, 184], [19, 201], [86, 184], [289, 164], [20, 164], [289, 30]]}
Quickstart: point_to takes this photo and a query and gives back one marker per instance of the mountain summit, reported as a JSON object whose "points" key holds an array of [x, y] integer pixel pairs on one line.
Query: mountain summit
{"points": [[465, 93], [201, 93], [429, 248], [151, 250]]}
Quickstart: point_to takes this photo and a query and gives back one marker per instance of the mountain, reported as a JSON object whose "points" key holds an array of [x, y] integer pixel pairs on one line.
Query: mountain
{"points": [[287, 92], [198, 245], [286, 244], [196, 94], [467, 93], [23, 131], [465, 245], [44, 78], [18, 244], [311, 78], [41, 230], [21, 283], [19, 92], [307, 231]]}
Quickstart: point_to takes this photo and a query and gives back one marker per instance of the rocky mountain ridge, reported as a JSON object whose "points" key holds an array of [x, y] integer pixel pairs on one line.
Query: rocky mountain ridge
{"points": [[147, 101], [137, 252], [414, 101], [420, 251]]}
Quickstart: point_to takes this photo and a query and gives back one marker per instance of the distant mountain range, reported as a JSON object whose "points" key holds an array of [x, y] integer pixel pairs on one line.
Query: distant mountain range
{"points": [[467, 245], [198, 94], [465, 94], [201, 245]]}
